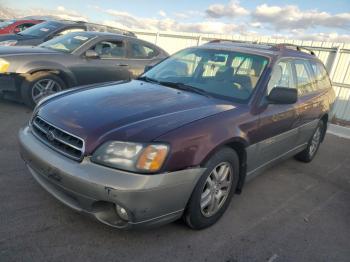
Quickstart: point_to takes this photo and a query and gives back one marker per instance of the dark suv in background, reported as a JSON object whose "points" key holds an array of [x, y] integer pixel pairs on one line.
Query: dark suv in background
{"points": [[74, 59], [184, 137], [47, 30]]}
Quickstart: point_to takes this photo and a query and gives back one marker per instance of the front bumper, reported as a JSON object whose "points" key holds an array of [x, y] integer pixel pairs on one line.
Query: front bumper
{"points": [[8, 83], [95, 190]]}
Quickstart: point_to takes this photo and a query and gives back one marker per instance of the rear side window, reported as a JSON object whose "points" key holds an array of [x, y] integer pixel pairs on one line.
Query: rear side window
{"points": [[322, 80], [303, 77], [142, 51]]}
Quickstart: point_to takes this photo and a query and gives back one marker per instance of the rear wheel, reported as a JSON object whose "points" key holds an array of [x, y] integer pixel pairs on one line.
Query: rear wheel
{"points": [[40, 85], [309, 153], [214, 190]]}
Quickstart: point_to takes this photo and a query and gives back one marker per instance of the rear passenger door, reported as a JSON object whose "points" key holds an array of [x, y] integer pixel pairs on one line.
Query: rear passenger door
{"points": [[308, 108]]}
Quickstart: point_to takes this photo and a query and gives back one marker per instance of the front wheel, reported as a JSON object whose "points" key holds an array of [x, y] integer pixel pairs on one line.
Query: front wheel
{"points": [[40, 85], [214, 190], [310, 151]]}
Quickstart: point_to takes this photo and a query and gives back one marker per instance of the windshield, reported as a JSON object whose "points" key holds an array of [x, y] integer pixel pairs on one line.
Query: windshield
{"points": [[226, 74], [6, 23], [68, 43], [40, 30]]}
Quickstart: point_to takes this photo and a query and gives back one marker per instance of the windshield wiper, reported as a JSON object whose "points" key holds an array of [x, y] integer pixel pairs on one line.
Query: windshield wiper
{"points": [[147, 79], [185, 87]]}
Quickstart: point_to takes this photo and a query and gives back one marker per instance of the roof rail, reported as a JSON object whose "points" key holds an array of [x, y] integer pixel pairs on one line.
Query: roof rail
{"points": [[244, 44], [232, 41], [294, 47]]}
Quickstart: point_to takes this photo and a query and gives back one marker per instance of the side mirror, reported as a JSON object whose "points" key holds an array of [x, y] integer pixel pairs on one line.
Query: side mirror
{"points": [[148, 67], [283, 95], [91, 54], [17, 30]]}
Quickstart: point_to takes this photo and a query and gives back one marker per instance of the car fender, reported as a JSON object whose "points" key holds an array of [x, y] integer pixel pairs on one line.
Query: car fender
{"points": [[194, 143]]}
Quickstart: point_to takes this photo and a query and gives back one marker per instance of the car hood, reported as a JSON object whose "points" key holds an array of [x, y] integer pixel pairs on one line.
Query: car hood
{"points": [[24, 50], [132, 111]]}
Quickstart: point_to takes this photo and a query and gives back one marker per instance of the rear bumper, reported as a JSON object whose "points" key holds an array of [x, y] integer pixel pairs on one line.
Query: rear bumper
{"points": [[95, 190]]}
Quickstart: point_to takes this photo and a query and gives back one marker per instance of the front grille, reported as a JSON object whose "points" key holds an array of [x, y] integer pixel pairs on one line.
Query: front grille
{"points": [[58, 139]]}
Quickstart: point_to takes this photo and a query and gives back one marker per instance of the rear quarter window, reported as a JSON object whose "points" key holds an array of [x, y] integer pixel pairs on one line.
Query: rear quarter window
{"points": [[322, 80]]}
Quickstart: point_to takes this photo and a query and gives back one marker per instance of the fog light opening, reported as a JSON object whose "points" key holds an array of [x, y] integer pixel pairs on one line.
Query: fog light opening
{"points": [[122, 213]]}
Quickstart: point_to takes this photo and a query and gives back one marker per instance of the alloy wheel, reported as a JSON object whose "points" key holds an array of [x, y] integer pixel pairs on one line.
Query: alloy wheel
{"points": [[315, 141], [43, 88], [216, 189]]}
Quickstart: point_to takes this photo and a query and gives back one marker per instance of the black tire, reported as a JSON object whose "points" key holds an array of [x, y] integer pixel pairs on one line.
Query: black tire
{"points": [[310, 151], [30, 81], [194, 216]]}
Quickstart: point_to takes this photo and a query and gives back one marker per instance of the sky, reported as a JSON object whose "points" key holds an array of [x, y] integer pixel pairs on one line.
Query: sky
{"points": [[321, 20]]}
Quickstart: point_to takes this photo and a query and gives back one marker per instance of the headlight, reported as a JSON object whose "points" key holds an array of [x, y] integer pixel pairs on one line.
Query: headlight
{"points": [[131, 156], [8, 43], [4, 65]]}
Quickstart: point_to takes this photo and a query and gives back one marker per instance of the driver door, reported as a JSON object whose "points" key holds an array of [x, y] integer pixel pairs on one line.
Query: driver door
{"points": [[110, 65], [278, 130]]}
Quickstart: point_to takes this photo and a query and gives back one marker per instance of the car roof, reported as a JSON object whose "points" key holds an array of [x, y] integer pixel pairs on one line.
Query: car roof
{"points": [[92, 27], [103, 34], [270, 50]]}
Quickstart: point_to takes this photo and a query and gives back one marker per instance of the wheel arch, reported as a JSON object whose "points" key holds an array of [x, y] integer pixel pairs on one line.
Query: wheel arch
{"points": [[67, 77], [239, 145]]}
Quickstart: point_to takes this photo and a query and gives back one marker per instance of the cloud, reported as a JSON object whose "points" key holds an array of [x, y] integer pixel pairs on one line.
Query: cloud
{"points": [[128, 21], [294, 23], [162, 13], [291, 17], [39, 13], [231, 10], [188, 14]]}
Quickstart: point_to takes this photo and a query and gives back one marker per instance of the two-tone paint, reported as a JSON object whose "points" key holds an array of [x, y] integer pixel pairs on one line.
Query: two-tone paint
{"points": [[194, 126]]}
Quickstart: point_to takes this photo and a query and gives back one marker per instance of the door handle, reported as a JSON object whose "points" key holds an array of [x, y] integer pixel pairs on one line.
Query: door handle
{"points": [[123, 65]]}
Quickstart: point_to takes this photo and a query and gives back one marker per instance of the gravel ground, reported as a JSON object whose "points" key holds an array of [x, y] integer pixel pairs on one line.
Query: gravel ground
{"points": [[292, 212]]}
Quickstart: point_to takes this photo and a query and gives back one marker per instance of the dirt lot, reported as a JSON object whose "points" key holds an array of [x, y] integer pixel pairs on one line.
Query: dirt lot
{"points": [[293, 212]]}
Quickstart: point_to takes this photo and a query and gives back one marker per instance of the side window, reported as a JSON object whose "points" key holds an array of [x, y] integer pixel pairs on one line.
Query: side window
{"points": [[322, 80], [141, 51], [282, 76], [22, 27], [110, 49], [304, 80]]}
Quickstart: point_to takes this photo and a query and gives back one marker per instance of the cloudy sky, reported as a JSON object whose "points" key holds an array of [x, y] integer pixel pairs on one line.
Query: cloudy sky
{"points": [[302, 19]]}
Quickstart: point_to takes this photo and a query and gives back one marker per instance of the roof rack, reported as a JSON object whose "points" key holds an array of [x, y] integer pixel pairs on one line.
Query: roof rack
{"points": [[294, 47], [257, 44], [239, 43], [232, 41]]}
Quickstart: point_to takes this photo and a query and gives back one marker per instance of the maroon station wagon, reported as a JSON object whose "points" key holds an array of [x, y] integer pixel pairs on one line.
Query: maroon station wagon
{"points": [[183, 138]]}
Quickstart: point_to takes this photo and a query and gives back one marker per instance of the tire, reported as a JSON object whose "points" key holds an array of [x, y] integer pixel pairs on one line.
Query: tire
{"points": [[197, 215], [310, 151], [47, 82]]}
